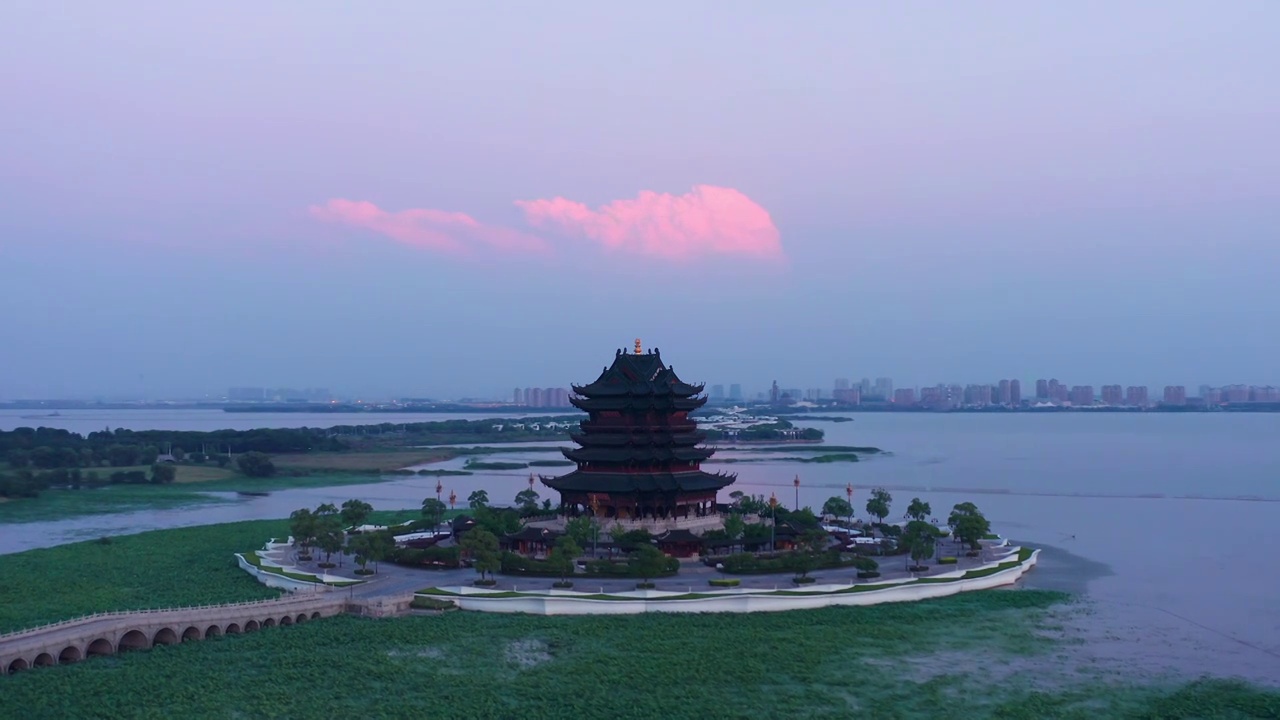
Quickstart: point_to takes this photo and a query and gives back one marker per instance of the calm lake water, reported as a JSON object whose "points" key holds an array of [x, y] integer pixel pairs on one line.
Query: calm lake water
{"points": [[1164, 521]]}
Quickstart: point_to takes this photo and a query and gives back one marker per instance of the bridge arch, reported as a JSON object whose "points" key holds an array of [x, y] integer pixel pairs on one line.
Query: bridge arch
{"points": [[286, 620], [315, 615], [99, 647], [251, 626], [302, 617], [164, 636], [191, 633], [70, 654], [232, 629], [212, 631], [44, 660], [132, 640], [269, 622], [17, 666]]}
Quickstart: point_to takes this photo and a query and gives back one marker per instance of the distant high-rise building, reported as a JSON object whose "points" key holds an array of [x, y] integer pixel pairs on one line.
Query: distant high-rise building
{"points": [[774, 394], [536, 399], [848, 396], [1236, 394], [883, 388], [717, 392], [1042, 389], [1136, 396], [1015, 392], [1082, 395], [1211, 395], [1112, 395], [735, 391], [1004, 394], [904, 397], [977, 395], [518, 397], [864, 386], [1175, 395], [528, 396], [813, 394], [842, 384]]}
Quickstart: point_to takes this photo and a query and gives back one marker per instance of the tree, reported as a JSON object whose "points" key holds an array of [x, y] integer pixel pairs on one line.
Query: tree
{"points": [[563, 555], [968, 524], [19, 458], [329, 535], [370, 547], [255, 464], [434, 509], [837, 507], [580, 529], [527, 500], [919, 538], [647, 562], [478, 499], [355, 512], [918, 510], [482, 546], [222, 460], [163, 473], [878, 504], [734, 526], [198, 458], [302, 525]]}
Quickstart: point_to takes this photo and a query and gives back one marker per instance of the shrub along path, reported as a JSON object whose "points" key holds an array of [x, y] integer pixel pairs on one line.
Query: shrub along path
{"points": [[392, 579]]}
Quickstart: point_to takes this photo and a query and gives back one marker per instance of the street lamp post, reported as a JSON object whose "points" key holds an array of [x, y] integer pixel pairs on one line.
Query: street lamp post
{"points": [[848, 491], [595, 526], [796, 483], [773, 524]]}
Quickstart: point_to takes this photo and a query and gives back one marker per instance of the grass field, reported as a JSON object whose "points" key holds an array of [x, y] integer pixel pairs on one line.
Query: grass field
{"points": [[361, 461], [973, 656], [185, 473], [163, 568]]}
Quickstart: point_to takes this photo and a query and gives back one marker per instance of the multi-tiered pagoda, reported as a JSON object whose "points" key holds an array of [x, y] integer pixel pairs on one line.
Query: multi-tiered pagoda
{"points": [[640, 452]]}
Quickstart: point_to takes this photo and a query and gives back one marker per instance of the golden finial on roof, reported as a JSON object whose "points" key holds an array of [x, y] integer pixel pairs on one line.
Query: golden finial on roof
{"points": [[639, 347]]}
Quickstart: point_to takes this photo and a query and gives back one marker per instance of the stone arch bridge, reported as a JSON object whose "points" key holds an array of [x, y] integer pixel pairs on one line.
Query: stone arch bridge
{"points": [[114, 632]]}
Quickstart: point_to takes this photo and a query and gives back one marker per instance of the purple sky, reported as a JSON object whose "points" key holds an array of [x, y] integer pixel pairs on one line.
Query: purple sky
{"points": [[444, 199]]}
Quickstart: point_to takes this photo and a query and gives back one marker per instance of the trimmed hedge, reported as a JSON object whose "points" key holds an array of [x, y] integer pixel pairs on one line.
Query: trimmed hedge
{"points": [[725, 582], [750, 564], [947, 561], [621, 568], [431, 558]]}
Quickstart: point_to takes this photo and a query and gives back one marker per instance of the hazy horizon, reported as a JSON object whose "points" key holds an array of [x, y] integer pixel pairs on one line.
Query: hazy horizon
{"points": [[455, 200]]}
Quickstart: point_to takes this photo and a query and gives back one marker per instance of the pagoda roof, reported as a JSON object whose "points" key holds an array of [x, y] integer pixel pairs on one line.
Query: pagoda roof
{"points": [[640, 454], [638, 374], [629, 401], [680, 438], [631, 482]]}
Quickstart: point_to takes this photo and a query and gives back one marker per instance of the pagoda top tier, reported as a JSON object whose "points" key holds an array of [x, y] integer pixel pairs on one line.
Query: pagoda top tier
{"points": [[638, 374]]}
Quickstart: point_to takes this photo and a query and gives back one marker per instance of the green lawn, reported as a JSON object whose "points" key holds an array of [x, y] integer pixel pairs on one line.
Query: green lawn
{"points": [[924, 660], [163, 568]]}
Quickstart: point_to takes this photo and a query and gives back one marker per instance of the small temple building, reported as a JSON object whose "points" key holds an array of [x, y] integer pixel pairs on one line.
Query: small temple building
{"points": [[639, 453]]}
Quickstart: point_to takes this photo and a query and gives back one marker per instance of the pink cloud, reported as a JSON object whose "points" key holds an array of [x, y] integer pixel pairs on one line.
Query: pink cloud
{"points": [[708, 220], [439, 230]]}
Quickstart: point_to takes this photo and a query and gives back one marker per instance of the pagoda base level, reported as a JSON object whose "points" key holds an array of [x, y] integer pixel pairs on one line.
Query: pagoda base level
{"points": [[632, 507], [695, 525]]}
